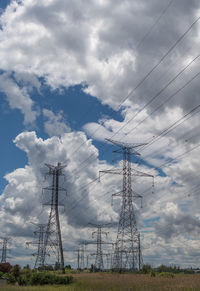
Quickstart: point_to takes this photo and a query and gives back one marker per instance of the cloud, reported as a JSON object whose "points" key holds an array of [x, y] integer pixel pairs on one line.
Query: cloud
{"points": [[18, 98], [21, 201], [97, 43], [55, 124]]}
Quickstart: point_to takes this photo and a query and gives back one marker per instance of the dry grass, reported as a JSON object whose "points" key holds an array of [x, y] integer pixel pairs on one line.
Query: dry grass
{"points": [[117, 282], [101, 281]]}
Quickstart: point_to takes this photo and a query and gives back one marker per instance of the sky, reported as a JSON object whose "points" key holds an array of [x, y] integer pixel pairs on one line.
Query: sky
{"points": [[73, 73]]}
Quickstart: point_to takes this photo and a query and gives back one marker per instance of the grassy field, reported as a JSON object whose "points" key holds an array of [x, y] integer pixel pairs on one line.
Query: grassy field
{"points": [[116, 282]]}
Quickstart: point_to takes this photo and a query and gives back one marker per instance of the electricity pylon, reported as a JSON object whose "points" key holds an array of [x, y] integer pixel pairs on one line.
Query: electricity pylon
{"points": [[126, 253], [4, 249], [82, 256], [40, 254], [78, 259], [140, 260], [99, 265], [53, 231]]}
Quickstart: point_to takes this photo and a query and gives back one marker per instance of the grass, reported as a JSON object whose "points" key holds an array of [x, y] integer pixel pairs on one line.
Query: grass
{"points": [[118, 282]]}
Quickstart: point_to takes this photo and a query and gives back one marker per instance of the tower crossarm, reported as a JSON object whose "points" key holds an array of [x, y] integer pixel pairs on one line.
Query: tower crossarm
{"points": [[133, 172], [125, 145], [57, 168]]}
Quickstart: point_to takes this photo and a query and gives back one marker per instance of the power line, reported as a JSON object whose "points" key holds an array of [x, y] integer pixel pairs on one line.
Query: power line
{"points": [[144, 78], [158, 94]]}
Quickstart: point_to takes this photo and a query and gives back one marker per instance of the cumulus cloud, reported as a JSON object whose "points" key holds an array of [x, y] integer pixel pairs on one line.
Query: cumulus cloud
{"points": [[18, 98], [55, 124], [99, 43], [21, 201]]}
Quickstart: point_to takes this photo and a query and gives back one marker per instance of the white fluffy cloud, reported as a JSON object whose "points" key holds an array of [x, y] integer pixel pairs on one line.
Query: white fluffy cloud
{"points": [[55, 124], [98, 43], [18, 98], [160, 218]]}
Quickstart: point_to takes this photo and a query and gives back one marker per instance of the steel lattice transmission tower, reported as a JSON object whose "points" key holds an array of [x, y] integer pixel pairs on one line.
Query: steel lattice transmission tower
{"points": [[126, 253], [40, 254], [81, 256], [99, 252], [4, 249], [53, 232]]}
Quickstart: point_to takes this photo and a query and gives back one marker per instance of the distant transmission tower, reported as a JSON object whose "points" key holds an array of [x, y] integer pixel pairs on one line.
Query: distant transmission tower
{"points": [[99, 252], [40, 254], [82, 257], [4, 249], [126, 253], [140, 260], [53, 232]]}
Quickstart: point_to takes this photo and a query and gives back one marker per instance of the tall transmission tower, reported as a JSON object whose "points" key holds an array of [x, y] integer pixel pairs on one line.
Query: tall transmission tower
{"points": [[99, 265], [126, 253], [4, 249], [53, 232], [40, 254]]}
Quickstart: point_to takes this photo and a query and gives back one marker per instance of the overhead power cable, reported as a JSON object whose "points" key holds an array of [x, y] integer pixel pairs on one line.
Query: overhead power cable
{"points": [[106, 147], [147, 75], [184, 118], [187, 116], [159, 93]]}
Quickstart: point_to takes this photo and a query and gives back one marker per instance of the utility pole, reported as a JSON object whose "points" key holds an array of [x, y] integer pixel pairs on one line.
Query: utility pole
{"points": [[99, 265], [126, 246], [40, 254], [53, 232], [4, 249]]}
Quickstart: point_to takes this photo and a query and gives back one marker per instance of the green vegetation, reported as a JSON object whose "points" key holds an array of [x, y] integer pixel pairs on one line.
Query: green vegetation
{"points": [[148, 278], [26, 277], [118, 282]]}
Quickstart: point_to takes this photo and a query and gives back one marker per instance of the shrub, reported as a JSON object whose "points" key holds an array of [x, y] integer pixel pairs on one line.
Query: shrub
{"points": [[152, 273], [5, 267], [146, 269], [170, 269], [1, 274], [23, 280], [43, 279], [11, 279], [166, 275], [15, 271]]}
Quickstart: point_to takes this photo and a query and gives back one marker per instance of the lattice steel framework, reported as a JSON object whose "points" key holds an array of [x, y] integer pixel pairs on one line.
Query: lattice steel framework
{"points": [[40, 254], [53, 239], [4, 249], [99, 264], [82, 257], [126, 253]]}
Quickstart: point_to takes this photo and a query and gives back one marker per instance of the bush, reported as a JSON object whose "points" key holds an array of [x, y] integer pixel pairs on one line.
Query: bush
{"points": [[5, 267], [11, 279], [152, 273], [15, 271], [166, 275], [43, 279], [1, 274], [23, 280], [170, 269], [146, 269]]}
